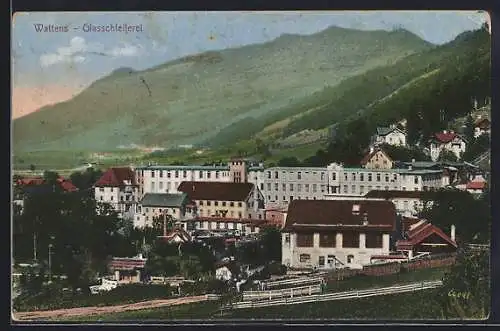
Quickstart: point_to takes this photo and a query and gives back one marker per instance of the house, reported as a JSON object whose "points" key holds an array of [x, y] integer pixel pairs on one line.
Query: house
{"points": [[391, 135], [407, 203], [447, 141], [376, 159], [118, 187], [176, 235], [329, 234], [127, 270], [219, 199], [216, 224], [176, 205], [482, 126], [276, 216], [476, 186], [426, 238], [166, 179]]}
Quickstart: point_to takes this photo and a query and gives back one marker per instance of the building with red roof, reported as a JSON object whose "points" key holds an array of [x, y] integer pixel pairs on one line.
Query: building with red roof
{"points": [[336, 233], [118, 187], [447, 141]]}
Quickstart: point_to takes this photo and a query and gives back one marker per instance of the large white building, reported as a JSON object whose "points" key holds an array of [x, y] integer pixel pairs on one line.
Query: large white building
{"points": [[166, 179], [391, 136], [336, 233], [285, 184]]}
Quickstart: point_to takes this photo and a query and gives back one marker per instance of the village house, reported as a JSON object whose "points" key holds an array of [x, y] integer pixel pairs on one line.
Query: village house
{"points": [[176, 235], [423, 238], [176, 205], [118, 188], [407, 203], [241, 226], [482, 126], [128, 270], [377, 159], [446, 141], [391, 135], [166, 179], [218, 199], [275, 216], [336, 233]]}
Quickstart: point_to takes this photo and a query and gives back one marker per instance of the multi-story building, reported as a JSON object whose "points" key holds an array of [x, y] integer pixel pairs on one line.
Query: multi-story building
{"points": [[232, 200], [377, 159], [407, 203], [176, 205], [359, 181], [166, 179], [336, 233], [285, 184], [447, 141], [118, 187]]}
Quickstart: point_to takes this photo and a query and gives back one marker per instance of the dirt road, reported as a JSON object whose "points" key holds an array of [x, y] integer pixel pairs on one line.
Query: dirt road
{"points": [[87, 311]]}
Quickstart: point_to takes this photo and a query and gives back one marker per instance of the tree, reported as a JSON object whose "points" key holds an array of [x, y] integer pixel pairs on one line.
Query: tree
{"points": [[32, 167], [447, 156], [271, 243], [289, 161], [401, 153], [469, 129]]}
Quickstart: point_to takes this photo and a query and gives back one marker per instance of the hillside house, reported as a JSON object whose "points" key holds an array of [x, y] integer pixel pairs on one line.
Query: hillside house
{"points": [[217, 199], [276, 216], [447, 141], [225, 224], [118, 187], [176, 235], [482, 126], [128, 270], [176, 205], [330, 234], [166, 179], [423, 237], [377, 159], [391, 135]]}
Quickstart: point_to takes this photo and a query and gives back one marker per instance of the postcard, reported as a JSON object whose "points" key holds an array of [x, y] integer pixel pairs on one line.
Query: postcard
{"points": [[214, 166]]}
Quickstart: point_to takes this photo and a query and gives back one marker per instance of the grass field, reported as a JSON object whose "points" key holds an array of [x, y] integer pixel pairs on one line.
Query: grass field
{"points": [[414, 306]]}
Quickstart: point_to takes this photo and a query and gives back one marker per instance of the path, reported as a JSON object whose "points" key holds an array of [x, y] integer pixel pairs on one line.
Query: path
{"points": [[86, 311]]}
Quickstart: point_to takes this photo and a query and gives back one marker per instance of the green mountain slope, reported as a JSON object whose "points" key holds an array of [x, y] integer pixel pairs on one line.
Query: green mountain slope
{"points": [[200, 98]]}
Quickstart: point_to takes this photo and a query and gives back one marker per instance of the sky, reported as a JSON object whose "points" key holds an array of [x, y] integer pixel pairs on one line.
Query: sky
{"points": [[50, 67]]}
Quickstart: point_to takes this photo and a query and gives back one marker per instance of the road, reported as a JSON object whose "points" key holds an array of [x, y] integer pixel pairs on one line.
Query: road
{"points": [[87, 311]]}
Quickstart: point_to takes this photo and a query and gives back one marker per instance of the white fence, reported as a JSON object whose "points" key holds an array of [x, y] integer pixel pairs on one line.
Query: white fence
{"points": [[340, 295], [293, 282], [288, 292]]}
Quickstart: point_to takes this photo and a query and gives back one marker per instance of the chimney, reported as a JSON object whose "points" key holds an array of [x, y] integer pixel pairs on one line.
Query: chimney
{"points": [[452, 232]]}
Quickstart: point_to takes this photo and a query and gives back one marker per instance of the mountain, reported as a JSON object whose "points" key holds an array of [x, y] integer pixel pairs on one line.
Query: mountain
{"points": [[200, 98]]}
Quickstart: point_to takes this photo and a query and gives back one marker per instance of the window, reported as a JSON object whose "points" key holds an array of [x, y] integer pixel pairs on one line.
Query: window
{"points": [[101, 198], [101, 189], [361, 189], [184, 174], [306, 187], [240, 204], [299, 187], [168, 174], [374, 240], [239, 214], [152, 187], [321, 261], [152, 174], [276, 175], [353, 176], [201, 174], [161, 174], [395, 177], [327, 239], [216, 203], [262, 186], [350, 258], [386, 188], [305, 240], [208, 174], [269, 175], [350, 239], [121, 198], [404, 188], [416, 180], [299, 175], [345, 177], [231, 204], [284, 187], [378, 177], [209, 203], [291, 198], [217, 176], [147, 210], [387, 177], [345, 188], [353, 189], [314, 188], [276, 186], [291, 187], [176, 173], [370, 177], [287, 238], [223, 203], [322, 176], [331, 260], [284, 198], [112, 189], [334, 176], [323, 188], [217, 225], [304, 258], [160, 185], [269, 186], [201, 203]]}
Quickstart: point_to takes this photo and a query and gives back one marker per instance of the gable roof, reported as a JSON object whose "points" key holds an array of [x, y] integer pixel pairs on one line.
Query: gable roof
{"points": [[177, 232], [476, 185], [218, 191], [446, 136], [384, 131], [368, 156], [116, 177], [38, 184], [339, 213], [422, 231], [164, 199]]}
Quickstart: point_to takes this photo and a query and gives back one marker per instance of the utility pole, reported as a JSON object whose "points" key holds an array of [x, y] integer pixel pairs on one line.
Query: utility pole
{"points": [[34, 238]]}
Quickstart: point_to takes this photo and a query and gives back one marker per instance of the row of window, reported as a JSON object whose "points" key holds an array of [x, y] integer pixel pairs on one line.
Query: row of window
{"points": [[369, 177], [122, 198], [331, 260], [184, 173], [222, 203], [291, 187], [284, 198], [291, 174], [350, 239]]}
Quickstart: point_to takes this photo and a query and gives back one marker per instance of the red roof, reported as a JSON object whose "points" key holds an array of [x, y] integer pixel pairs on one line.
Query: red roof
{"points": [[120, 263], [407, 222], [177, 232], [341, 213], [217, 191], [65, 184], [116, 177], [477, 185], [422, 232], [445, 137]]}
